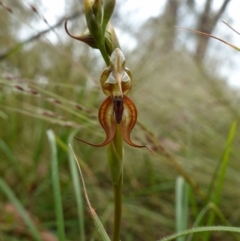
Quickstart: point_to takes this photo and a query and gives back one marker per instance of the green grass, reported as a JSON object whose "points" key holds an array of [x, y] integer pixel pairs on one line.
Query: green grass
{"points": [[56, 187], [32, 229], [184, 115]]}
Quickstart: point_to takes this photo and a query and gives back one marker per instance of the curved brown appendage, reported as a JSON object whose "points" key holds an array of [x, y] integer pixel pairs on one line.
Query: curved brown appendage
{"points": [[66, 29], [106, 119], [129, 121], [86, 38]]}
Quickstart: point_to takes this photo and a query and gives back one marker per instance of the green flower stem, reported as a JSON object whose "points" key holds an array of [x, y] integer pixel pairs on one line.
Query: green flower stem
{"points": [[117, 209], [115, 157], [115, 165], [104, 53]]}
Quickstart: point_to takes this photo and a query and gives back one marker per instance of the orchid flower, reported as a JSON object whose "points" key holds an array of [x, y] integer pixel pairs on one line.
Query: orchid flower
{"points": [[117, 114], [117, 110]]}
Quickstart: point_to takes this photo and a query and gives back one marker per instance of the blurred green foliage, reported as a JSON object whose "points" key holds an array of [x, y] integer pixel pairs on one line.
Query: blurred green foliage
{"points": [[185, 115]]}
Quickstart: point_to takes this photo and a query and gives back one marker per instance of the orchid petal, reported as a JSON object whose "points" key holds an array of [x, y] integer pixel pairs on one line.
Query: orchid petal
{"points": [[111, 79], [126, 81], [106, 119], [125, 77], [106, 86], [129, 120]]}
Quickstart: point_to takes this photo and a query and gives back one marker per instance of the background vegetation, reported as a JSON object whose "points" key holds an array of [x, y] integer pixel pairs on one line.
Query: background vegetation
{"points": [[48, 81]]}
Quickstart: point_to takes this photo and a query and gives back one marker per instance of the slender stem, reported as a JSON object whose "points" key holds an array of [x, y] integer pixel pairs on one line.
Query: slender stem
{"points": [[104, 53], [117, 209], [115, 165]]}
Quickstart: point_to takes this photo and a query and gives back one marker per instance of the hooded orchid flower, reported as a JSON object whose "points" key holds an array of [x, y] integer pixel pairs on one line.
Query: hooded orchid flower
{"points": [[117, 110]]}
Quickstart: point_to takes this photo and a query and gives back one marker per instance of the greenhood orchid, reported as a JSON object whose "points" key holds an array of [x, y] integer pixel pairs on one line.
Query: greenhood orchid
{"points": [[118, 110]]}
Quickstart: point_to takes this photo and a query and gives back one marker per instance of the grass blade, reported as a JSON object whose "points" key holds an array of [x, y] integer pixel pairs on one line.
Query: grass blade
{"points": [[224, 164], [181, 206], [77, 188], [27, 220], [211, 36], [221, 175], [201, 230], [103, 234], [56, 186]]}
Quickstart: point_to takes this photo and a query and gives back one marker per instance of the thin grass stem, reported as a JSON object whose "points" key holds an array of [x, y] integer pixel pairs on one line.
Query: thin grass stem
{"points": [[200, 230], [77, 188], [56, 186]]}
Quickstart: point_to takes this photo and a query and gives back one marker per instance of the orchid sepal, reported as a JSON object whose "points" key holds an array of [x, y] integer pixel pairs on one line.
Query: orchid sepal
{"points": [[107, 122], [85, 37], [110, 38], [129, 121]]}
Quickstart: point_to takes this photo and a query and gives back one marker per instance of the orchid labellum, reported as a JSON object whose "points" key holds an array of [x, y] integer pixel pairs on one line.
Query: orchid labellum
{"points": [[117, 110]]}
